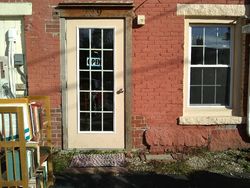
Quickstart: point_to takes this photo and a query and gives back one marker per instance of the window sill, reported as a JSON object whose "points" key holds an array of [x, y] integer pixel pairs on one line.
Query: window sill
{"points": [[211, 120]]}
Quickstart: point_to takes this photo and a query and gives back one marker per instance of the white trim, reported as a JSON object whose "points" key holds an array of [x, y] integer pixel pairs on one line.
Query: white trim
{"points": [[212, 10], [15, 9], [213, 66]]}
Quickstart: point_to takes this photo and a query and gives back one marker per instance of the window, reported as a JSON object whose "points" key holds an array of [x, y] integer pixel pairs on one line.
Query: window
{"points": [[210, 65], [213, 64]]}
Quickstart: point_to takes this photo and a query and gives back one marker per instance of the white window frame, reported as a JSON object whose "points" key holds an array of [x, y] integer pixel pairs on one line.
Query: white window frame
{"points": [[212, 66]]}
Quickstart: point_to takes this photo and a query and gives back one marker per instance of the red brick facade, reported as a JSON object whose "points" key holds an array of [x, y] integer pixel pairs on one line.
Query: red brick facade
{"points": [[157, 76], [158, 84]]}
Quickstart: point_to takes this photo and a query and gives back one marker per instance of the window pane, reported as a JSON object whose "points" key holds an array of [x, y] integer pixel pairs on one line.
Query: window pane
{"points": [[211, 36], [84, 101], [195, 95], [197, 35], [197, 55], [83, 59], [210, 56], [223, 76], [108, 38], [208, 76], [108, 122], [224, 56], [223, 39], [96, 101], [108, 101], [196, 76], [108, 81], [84, 80], [96, 38], [108, 60], [96, 122], [84, 122], [84, 38], [208, 94], [222, 95], [96, 82]]}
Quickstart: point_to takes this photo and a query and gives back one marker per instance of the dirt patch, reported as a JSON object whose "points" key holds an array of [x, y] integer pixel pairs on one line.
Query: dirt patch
{"points": [[231, 161]]}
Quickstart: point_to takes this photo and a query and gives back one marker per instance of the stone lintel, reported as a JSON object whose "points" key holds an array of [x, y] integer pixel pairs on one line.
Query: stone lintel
{"points": [[230, 10], [15, 9]]}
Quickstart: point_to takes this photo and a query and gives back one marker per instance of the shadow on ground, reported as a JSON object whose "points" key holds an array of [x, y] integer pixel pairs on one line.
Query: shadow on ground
{"points": [[198, 179]]}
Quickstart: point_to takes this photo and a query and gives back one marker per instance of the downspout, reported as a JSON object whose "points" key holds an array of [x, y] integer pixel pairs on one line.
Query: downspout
{"points": [[248, 96], [246, 30]]}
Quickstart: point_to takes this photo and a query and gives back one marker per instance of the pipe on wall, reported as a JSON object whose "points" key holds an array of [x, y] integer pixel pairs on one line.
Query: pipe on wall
{"points": [[248, 99]]}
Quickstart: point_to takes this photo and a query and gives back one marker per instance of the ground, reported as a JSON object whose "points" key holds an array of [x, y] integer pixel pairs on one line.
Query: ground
{"points": [[194, 169]]}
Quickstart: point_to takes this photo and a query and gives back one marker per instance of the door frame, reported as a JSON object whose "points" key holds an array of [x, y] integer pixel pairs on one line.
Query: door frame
{"points": [[98, 11]]}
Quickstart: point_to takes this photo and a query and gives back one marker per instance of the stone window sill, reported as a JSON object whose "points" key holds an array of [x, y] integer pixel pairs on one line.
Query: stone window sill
{"points": [[211, 120]]}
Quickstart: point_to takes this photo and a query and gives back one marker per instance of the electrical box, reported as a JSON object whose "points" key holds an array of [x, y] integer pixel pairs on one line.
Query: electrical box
{"points": [[141, 20], [12, 34], [18, 59]]}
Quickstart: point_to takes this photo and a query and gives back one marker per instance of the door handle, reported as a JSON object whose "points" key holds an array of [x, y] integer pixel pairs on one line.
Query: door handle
{"points": [[120, 91]]}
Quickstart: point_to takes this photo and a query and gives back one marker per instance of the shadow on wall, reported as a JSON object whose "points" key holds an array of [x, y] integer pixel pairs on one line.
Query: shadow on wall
{"points": [[199, 179], [242, 133]]}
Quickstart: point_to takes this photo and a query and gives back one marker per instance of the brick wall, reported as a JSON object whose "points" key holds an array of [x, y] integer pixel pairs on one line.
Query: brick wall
{"points": [[157, 68], [158, 83]]}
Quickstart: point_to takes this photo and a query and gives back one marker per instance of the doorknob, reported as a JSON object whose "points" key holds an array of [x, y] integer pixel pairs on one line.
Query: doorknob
{"points": [[120, 91]]}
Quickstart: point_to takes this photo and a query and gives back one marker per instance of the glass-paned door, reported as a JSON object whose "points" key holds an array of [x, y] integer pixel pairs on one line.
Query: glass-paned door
{"points": [[95, 97]]}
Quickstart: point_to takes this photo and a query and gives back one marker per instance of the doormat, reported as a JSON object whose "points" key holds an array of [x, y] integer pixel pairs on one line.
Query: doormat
{"points": [[98, 160]]}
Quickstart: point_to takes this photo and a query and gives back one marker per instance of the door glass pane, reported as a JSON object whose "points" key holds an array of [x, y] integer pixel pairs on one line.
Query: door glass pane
{"points": [[84, 101], [108, 81], [96, 82], [96, 38], [108, 60], [96, 60], [96, 99], [108, 101], [84, 80], [84, 59], [84, 121], [108, 38], [108, 122], [96, 121], [84, 38]]}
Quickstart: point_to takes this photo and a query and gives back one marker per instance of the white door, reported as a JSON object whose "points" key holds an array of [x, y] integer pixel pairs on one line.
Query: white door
{"points": [[95, 97]]}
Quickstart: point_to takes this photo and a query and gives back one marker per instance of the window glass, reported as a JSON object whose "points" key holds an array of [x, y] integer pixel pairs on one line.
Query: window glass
{"points": [[96, 79], [210, 69]]}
